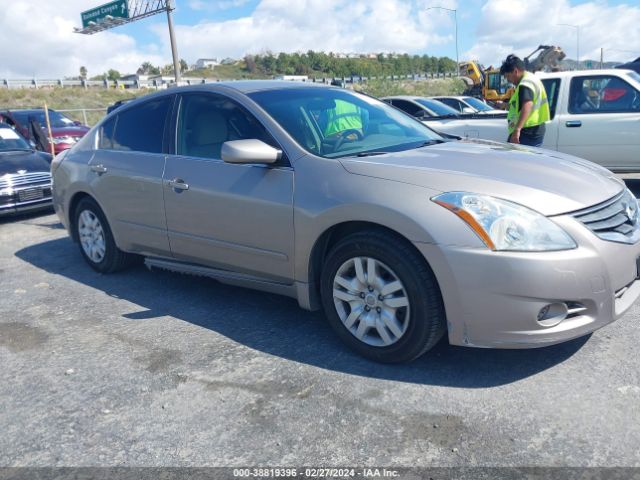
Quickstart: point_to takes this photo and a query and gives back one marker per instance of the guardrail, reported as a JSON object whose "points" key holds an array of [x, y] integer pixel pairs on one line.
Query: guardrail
{"points": [[163, 83]]}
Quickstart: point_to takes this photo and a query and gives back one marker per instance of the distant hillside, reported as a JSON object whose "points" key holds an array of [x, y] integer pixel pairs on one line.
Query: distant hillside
{"points": [[569, 64]]}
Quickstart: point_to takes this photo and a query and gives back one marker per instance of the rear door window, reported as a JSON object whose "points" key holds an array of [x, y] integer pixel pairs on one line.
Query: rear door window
{"points": [[140, 128], [602, 94]]}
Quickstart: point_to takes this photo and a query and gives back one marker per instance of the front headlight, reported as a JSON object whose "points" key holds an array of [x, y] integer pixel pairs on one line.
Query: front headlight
{"points": [[504, 225], [59, 140], [630, 205]]}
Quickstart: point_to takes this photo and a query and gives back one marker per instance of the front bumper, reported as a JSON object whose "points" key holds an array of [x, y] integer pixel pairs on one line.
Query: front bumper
{"points": [[493, 299], [26, 199]]}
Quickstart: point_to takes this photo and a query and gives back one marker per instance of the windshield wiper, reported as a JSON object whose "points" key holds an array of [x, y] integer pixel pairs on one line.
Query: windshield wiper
{"points": [[16, 150], [370, 154], [428, 143]]}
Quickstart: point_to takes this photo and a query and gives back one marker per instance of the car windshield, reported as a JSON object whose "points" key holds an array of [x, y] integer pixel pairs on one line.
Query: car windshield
{"points": [[477, 104], [331, 122], [56, 119], [11, 140], [437, 107]]}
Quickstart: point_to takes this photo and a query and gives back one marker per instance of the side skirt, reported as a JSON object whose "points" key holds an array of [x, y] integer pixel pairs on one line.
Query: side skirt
{"points": [[224, 276]]}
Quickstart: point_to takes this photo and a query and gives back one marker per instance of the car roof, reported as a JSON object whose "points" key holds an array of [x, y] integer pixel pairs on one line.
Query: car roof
{"points": [[401, 97], [249, 86], [242, 86], [571, 73]]}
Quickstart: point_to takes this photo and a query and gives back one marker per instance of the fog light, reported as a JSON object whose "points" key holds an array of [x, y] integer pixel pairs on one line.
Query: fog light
{"points": [[552, 314]]}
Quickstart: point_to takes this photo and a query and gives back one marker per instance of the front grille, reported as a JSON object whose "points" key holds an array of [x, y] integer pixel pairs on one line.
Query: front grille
{"points": [[29, 194], [18, 180], [615, 220]]}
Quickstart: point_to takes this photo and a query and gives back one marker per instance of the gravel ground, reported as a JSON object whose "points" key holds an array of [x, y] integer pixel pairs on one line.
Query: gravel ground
{"points": [[159, 369]]}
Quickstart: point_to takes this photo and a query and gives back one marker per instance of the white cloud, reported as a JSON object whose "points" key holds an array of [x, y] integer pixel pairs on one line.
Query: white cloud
{"points": [[508, 28], [216, 6], [37, 40], [319, 25]]}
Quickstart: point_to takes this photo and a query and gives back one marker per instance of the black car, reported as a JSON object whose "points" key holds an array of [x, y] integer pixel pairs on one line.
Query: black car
{"points": [[25, 178]]}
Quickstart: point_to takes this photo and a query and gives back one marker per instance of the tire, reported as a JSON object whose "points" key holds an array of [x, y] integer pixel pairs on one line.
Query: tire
{"points": [[401, 315], [96, 240]]}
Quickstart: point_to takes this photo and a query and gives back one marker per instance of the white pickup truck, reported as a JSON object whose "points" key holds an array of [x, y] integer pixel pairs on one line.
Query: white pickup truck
{"points": [[595, 114]]}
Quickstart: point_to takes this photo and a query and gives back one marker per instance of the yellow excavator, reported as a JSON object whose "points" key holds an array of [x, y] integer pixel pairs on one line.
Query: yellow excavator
{"points": [[493, 87]]}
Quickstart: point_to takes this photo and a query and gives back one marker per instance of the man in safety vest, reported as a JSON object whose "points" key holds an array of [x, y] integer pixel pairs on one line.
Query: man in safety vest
{"points": [[528, 106], [345, 117]]}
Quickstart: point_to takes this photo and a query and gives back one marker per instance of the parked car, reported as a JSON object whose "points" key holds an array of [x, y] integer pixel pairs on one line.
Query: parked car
{"points": [[469, 105], [446, 120], [423, 108], [595, 114], [25, 181], [397, 233], [65, 131]]}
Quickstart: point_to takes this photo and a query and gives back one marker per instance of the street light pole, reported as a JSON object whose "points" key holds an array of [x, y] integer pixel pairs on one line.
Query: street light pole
{"points": [[577, 27], [455, 18], [172, 38]]}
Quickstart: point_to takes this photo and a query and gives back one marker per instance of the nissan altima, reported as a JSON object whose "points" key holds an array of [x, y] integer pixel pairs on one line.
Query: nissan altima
{"points": [[347, 204]]}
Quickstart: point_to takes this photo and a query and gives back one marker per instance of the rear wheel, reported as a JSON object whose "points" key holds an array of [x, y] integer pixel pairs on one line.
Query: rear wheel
{"points": [[381, 297], [96, 240]]}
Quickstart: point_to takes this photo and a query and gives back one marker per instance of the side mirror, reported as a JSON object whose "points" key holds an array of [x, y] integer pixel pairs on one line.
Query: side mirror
{"points": [[468, 110], [77, 123], [420, 114], [249, 151]]}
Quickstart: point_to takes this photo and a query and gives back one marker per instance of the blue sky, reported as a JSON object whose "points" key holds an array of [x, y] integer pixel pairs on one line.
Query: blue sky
{"points": [[37, 39]]}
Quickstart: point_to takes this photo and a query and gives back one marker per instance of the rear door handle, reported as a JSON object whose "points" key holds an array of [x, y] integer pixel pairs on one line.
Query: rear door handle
{"points": [[573, 123], [99, 168], [178, 184]]}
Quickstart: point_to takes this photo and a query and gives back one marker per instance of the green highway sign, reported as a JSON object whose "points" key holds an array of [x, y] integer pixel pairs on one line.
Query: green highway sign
{"points": [[119, 8]]}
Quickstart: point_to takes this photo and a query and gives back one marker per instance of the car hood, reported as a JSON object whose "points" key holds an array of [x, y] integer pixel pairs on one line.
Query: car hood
{"points": [[549, 182], [31, 161]]}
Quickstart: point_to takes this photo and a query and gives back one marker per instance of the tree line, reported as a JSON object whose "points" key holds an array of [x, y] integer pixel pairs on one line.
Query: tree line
{"points": [[330, 64], [312, 63]]}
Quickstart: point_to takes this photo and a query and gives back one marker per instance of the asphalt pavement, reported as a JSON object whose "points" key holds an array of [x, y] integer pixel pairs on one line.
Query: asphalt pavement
{"points": [[146, 368]]}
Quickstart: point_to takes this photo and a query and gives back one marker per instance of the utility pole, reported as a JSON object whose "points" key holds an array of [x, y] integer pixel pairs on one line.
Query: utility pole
{"points": [[172, 38], [455, 18]]}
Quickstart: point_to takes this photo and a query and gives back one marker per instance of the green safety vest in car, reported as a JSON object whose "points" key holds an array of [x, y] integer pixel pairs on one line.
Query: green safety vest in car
{"points": [[540, 112], [345, 116]]}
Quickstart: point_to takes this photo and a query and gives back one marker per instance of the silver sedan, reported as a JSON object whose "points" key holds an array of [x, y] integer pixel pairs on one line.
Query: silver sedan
{"points": [[346, 204]]}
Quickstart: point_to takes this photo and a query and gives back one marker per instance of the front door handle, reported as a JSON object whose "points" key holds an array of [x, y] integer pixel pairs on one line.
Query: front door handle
{"points": [[573, 123], [178, 184], [99, 168]]}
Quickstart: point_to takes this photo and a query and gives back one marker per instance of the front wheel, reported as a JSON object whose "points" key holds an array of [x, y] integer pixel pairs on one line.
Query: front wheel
{"points": [[381, 297]]}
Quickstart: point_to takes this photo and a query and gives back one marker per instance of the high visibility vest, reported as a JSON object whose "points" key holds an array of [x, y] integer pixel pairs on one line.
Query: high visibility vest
{"points": [[345, 116], [539, 113]]}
